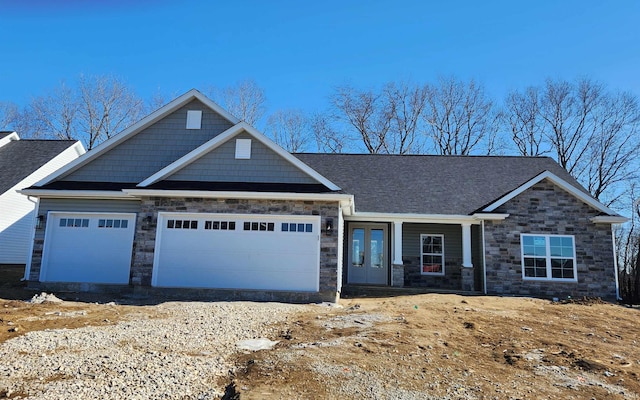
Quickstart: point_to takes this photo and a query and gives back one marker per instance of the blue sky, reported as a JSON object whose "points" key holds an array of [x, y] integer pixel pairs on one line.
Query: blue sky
{"points": [[298, 51]]}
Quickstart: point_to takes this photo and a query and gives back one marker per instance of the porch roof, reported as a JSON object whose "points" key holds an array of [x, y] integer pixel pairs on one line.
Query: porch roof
{"points": [[422, 184]]}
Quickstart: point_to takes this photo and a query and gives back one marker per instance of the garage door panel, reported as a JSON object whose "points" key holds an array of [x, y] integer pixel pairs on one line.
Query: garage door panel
{"points": [[89, 249], [239, 258]]}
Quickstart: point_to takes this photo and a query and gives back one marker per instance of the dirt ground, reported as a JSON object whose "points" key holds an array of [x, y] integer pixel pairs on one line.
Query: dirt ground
{"points": [[443, 346]]}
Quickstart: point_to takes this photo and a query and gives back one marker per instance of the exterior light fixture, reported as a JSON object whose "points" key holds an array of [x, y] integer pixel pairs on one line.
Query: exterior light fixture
{"points": [[40, 221], [329, 226]]}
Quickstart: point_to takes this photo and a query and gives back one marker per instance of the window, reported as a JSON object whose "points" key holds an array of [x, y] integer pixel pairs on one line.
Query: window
{"points": [[220, 225], [113, 223], [259, 226], [74, 222], [293, 227], [548, 257], [182, 224], [432, 254]]}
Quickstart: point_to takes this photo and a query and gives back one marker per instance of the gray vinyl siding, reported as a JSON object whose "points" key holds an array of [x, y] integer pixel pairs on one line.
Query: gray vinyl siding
{"points": [[220, 165], [77, 205], [152, 148], [452, 240]]}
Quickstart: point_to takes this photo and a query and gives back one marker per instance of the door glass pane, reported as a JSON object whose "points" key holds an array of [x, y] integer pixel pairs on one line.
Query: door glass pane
{"points": [[377, 248], [357, 247]]}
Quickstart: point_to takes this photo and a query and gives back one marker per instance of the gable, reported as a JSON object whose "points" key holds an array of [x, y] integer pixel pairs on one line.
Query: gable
{"points": [[221, 165], [557, 204], [153, 148], [559, 184]]}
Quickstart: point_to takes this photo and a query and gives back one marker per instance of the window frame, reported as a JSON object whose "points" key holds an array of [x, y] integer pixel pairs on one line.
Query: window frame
{"points": [[548, 257], [422, 254]]}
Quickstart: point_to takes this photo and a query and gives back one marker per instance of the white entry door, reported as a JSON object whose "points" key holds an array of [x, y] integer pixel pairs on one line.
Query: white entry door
{"points": [[232, 251], [88, 247], [368, 254]]}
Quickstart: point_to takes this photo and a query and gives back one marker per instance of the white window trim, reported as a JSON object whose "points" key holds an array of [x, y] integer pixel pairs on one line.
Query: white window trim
{"points": [[548, 258], [422, 235]]}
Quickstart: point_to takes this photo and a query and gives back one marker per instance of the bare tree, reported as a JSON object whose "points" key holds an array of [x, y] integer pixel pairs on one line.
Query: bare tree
{"points": [[93, 111], [105, 107], [628, 252], [9, 115], [567, 110], [54, 115], [459, 116], [614, 145], [365, 111], [245, 100], [522, 117], [328, 139], [406, 104], [289, 129]]}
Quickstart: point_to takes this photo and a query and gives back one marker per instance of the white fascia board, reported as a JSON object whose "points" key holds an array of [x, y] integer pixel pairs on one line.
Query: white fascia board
{"points": [[239, 195], [490, 216], [13, 136], [579, 194], [136, 128], [223, 138], [417, 218], [606, 219], [77, 194]]}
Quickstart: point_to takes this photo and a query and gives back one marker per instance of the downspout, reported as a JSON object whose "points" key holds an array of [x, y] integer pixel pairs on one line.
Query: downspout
{"points": [[615, 263], [484, 263]]}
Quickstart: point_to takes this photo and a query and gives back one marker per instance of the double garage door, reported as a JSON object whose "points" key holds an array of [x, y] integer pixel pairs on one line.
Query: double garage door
{"points": [[228, 251], [237, 251]]}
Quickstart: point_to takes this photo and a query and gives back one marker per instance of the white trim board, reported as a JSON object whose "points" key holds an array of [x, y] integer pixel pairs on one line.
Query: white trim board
{"points": [[240, 195], [137, 127], [580, 195], [223, 138]]}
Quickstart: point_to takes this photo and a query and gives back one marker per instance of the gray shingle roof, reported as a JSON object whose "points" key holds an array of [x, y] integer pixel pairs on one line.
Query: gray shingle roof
{"points": [[429, 184], [20, 158]]}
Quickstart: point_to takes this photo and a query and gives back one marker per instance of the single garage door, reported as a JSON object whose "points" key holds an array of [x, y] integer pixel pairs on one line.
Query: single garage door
{"points": [[88, 247], [229, 251]]}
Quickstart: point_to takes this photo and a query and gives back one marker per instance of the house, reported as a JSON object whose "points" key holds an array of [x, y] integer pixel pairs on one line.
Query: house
{"points": [[191, 198], [23, 163]]}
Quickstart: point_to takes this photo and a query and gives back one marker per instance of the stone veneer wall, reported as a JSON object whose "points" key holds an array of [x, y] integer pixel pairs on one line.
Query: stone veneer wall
{"points": [[548, 209], [451, 280], [145, 236]]}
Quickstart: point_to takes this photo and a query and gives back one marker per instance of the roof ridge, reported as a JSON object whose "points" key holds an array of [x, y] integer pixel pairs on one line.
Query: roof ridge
{"points": [[421, 155]]}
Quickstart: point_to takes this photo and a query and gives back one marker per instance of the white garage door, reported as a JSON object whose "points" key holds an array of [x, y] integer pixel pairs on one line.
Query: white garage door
{"points": [[88, 247], [237, 252]]}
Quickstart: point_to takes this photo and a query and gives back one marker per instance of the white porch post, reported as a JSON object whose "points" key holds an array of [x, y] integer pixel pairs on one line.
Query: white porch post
{"points": [[397, 243], [397, 267], [466, 246]]}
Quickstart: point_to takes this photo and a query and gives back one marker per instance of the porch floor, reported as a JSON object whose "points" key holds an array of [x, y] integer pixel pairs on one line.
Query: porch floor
{"points": [[355, 291]]}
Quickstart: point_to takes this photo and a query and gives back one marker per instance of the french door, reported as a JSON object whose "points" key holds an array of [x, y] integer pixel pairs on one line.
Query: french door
{"points": [[368, 254]]}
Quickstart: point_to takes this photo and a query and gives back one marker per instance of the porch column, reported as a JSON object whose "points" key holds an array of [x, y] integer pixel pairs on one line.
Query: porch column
{"points": [[397, 267], [397, 243], [466, 246]]}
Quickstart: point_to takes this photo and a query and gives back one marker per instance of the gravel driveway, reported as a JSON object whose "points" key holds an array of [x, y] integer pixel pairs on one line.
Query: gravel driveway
{"points": [[180, 354]]}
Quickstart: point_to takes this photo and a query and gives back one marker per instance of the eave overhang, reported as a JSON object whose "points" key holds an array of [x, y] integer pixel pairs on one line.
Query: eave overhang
{"points": [[609, 219]]}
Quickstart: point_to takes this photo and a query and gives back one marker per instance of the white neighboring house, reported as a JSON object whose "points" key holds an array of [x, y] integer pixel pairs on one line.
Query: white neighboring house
{"points": [[22, 164]]}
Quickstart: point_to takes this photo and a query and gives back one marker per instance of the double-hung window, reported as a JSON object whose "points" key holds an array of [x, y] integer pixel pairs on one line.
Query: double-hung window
{"points": [[432, 254], [548, 257]]}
